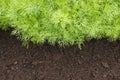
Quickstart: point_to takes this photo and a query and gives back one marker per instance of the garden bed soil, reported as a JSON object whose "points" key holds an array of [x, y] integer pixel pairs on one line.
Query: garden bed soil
{"points": [[98, 60]]}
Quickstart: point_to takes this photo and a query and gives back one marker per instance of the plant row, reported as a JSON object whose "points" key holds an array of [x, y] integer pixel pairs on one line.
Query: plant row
{"points": [[65, 22]]}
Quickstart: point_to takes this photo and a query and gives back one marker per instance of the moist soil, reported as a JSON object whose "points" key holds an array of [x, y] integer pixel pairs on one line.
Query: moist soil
{"points": [[97, 60]]}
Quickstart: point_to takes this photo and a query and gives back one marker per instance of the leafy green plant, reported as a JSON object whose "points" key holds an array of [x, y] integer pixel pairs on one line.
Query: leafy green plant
{"points": [[65, 22]]}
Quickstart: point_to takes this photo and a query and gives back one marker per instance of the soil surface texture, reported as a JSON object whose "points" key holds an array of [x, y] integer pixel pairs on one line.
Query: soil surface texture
{"points": [[98, 60]]}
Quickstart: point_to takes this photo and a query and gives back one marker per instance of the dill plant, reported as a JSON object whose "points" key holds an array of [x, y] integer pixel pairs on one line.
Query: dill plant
{"points": [[65, 22]]}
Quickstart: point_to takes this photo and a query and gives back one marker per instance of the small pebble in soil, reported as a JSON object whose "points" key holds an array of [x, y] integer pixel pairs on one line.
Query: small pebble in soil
{"points": [[104, 75], [12, 68], [15, 62], [34, 63], [95, 73], [105, 65], [119, 60]]}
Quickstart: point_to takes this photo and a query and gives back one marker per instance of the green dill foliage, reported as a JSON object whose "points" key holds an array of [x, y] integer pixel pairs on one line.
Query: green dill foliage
{"points": [[4, 20], [65, 22]]}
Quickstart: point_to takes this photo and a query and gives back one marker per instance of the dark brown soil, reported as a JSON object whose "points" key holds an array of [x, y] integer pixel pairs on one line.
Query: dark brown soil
{"points": [[98, 60]]}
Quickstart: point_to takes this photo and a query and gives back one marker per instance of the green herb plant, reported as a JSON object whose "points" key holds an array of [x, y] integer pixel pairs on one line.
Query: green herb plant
{"points": [[65, 22]]}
